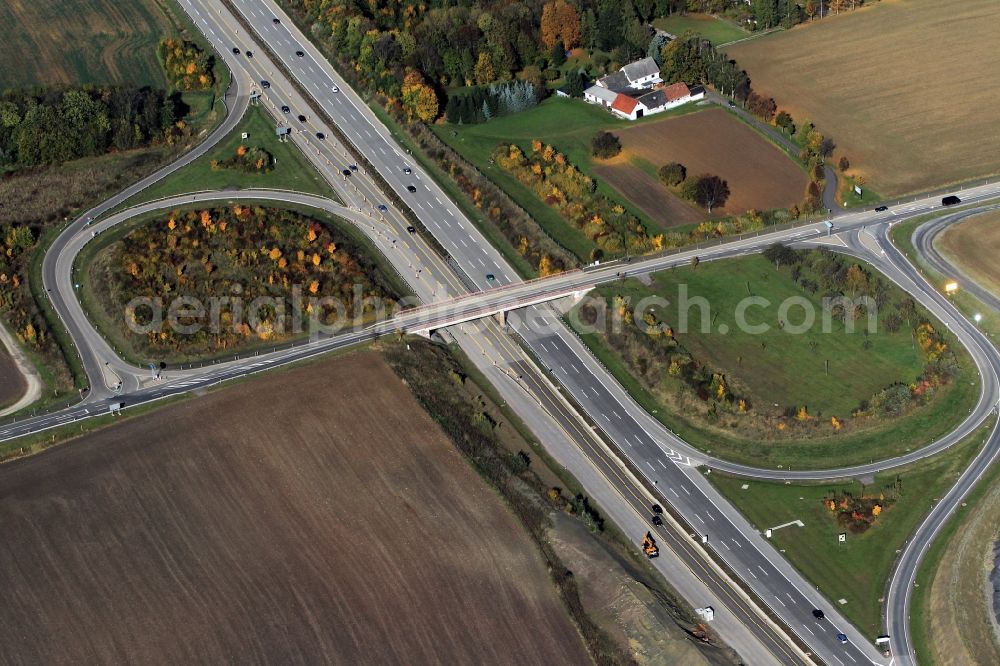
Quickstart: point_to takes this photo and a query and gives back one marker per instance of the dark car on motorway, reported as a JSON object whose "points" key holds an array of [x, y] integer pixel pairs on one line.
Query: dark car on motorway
{"points": [[407, 170], [275, 21], [302, 118], [346, 172], [265, 84], [236, 51], [354, 167], [411, 188], [818, 614], [657, 508], [249, 54], [950, 200], [411, 229], [842, 638], [383, 207], [657, 520], [300, 54], [285, 109], [881, 209], [320, 136]]}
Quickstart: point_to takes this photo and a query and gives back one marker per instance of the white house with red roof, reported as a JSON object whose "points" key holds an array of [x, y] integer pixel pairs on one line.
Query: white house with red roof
{"points": [[657, 100]]}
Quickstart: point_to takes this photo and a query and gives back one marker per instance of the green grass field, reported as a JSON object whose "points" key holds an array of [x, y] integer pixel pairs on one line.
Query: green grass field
{"points": [[292, 171], [857, 570], [567, 124], [717, 31], [63, 42], [778, 368]]}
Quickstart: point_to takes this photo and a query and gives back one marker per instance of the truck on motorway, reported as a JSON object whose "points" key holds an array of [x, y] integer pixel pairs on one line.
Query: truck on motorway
{"points": [[649, 546]]}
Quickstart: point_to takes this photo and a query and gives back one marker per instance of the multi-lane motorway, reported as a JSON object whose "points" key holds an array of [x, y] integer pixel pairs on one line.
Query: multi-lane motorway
{"points": [[664, 461]]}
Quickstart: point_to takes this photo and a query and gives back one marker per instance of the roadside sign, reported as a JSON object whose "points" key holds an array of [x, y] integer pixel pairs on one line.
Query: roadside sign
{"points": [[857, 190], [842, 537]]}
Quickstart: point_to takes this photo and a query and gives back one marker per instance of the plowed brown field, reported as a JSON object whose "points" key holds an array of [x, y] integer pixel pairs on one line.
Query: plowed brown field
{"points": [[12, 384], [759, 175], [313, 516]]}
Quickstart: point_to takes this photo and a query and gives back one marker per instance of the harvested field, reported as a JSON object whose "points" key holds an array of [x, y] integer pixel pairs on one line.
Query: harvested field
{"points": [[648, 194], [956, 614], [60, 42], [973, 245], [759, 175], [317, 515], [12, 384], [912, 104]]}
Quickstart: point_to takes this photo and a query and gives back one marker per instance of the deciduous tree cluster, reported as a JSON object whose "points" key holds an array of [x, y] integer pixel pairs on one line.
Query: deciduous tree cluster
{"points": [[461, 44], [188, 67], [42, 127], [574, 195], [243, 252], [248, 160]]}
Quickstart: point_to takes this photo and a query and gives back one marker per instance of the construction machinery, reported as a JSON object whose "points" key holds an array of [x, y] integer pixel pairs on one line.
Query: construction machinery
{"points": [[649, 546]]}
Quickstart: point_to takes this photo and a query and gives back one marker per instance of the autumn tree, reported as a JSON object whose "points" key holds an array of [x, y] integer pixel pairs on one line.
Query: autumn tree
{"points": [[484, 71], [844, 164], [672, 174], [785, 122], [560, 24], [419, 99], [605, 145], [707, 190]]}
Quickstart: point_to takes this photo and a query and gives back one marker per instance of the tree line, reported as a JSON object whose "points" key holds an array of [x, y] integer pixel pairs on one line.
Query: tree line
{"points": [[461, 46], [766, 14], [50, 126]]}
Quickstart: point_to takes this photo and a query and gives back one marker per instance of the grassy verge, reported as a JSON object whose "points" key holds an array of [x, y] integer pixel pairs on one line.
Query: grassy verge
{"points": [[291, 170], [939, 649], [566, 124], [902, 237], [93, 301], [858, 570]]}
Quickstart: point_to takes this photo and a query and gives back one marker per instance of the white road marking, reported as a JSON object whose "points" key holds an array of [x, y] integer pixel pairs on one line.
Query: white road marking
{"points": [[780, 601], [809, 630]]}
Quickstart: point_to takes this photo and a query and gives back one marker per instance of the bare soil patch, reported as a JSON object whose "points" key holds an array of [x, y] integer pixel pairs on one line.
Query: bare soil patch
{"points": [[912, 105], [12, 384], [973, 245], [648, 194], [317, 515], [760, 176]]}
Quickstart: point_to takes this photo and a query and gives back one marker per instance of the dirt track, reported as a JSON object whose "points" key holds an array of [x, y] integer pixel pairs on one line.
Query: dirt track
{"points": [[759, 175], [312, 516]]}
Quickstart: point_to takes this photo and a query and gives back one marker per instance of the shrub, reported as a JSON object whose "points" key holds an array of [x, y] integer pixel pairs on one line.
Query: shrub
{"points": [[605, 145], [672, 174]]}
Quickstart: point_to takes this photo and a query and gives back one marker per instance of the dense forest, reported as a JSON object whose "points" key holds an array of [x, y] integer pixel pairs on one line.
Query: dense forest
{"points": [[52, 126]]}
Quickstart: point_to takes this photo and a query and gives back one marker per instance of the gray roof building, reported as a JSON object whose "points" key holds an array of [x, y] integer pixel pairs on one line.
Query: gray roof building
{"points": [[641, 69]]}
